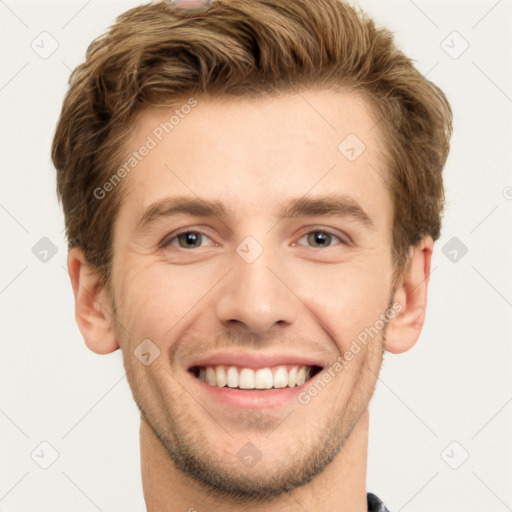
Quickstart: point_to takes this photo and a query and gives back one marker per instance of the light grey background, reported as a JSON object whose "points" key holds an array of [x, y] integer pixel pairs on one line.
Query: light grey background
{"points": [[451, 395]]}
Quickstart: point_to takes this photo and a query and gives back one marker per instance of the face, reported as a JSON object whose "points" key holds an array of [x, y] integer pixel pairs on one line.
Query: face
{"points": [[268, 253]]}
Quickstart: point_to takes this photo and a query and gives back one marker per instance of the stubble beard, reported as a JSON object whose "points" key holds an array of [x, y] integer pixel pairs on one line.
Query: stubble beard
{"points": [[182, 437]]}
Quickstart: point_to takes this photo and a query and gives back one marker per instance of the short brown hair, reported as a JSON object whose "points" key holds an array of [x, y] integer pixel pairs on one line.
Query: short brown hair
{"points": [[245, 48]]}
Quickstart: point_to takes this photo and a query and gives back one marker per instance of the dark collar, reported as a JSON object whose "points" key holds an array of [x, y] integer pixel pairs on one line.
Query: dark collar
{"points": [[375, 504]]}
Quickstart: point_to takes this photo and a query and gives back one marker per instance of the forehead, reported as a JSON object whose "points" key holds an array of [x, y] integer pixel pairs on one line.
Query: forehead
{"points": [[252, 152]]}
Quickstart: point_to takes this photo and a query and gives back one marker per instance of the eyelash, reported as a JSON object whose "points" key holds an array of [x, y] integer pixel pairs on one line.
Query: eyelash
{"points": [[167, 242]]}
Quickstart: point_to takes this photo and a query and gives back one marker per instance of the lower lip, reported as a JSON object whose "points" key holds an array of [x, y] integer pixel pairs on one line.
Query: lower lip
{"points": [[257, 399]]}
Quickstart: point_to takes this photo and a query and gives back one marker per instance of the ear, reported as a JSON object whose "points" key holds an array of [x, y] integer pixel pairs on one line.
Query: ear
{"points": [[411, 292], [93, 313]]}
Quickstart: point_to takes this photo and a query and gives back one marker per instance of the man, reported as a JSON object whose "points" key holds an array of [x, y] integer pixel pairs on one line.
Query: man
{"points": [[252, 193]]}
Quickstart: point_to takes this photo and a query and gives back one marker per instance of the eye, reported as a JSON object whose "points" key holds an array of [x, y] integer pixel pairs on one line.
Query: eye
{"points": [[321, 239], [190, 239]]}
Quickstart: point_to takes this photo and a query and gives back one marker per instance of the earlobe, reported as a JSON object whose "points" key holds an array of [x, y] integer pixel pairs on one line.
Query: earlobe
{"points": [[411, 293], [93, 313]]}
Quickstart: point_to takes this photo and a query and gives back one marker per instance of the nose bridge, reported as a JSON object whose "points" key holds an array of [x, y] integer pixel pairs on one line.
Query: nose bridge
{"points": [[256, 292]]}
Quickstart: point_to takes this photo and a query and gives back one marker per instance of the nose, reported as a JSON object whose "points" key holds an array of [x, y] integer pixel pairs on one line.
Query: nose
{"points": [[258, 295]]}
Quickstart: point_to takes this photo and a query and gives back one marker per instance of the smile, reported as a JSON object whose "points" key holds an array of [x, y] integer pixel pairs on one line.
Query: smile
{"points": [[275, 377]]}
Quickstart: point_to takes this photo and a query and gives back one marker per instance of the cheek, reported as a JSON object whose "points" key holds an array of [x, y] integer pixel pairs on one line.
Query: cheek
{"points": [[346, 299], [154, 298]]}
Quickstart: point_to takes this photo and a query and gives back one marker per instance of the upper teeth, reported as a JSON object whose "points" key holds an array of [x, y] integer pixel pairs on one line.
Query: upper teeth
{"points": [[247, 378]]}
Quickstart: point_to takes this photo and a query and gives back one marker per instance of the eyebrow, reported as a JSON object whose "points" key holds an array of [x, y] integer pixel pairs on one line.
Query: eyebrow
{"points": [[338, 205]]}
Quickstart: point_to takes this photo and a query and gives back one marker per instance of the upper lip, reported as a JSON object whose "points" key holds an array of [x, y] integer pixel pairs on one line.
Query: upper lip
{"points": [[247, 359]]}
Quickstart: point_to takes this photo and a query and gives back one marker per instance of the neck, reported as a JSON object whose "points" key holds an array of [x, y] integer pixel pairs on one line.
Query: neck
{"points": [[341, 486]]}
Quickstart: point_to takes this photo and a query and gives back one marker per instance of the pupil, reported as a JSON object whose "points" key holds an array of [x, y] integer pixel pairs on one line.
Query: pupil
{"points": [[320, 238], [191, 238]]}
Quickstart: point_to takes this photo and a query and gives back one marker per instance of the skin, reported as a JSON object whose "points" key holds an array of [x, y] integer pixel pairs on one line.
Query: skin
{"points": [[298, 296]]}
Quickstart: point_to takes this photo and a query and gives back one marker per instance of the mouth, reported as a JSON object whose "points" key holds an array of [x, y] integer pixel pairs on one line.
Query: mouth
{"points": [[242, 379], [255, 379]]}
